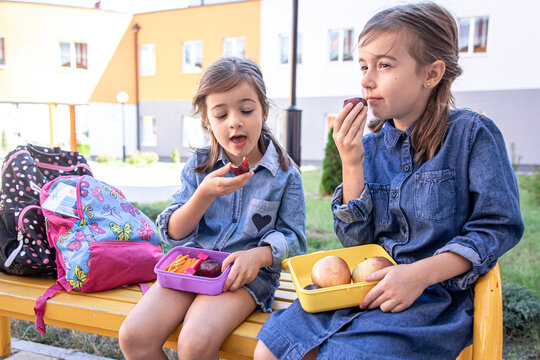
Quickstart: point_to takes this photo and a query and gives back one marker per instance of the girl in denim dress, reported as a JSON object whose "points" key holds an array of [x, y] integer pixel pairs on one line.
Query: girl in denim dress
{"points": [[259, 217], [433, 186]]}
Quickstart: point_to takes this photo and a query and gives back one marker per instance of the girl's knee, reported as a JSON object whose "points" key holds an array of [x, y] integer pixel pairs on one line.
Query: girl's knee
{"points": [[133, 340], [262, 352], [197, 345]]}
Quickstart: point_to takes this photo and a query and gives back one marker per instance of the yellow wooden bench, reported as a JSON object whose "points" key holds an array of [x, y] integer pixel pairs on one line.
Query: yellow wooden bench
{"points": [[103, 312]]}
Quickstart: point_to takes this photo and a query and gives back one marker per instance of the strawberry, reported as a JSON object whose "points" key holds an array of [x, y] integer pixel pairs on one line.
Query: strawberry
{"points": [[242, 168], [355, 101]]}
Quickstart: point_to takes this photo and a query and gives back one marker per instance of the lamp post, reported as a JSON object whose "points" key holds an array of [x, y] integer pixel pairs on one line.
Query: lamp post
{"points": [[122, 97], [293, 115]]}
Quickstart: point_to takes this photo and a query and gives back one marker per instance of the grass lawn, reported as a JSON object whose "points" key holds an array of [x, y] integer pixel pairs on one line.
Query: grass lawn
{"points": [[520, 265]]}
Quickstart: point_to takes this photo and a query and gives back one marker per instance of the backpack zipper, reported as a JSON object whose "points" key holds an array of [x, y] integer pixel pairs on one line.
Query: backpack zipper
{"points": [[20, 238]]}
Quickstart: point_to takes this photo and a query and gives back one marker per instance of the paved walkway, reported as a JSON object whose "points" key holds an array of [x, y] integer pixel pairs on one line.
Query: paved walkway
{"points": [[26, 350]]}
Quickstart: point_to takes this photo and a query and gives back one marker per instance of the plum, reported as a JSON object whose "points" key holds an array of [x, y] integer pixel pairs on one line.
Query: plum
{"points": [[242, 168], [311, 287], [355, 101], [209, 268]]}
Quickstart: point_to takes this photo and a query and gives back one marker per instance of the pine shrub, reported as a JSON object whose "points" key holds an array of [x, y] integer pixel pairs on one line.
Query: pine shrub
{"points": [[175, 157], [331, 173], [521, 310]]}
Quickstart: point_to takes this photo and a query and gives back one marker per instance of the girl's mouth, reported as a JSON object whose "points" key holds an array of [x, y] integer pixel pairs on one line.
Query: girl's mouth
{"points": [[238, 140]]}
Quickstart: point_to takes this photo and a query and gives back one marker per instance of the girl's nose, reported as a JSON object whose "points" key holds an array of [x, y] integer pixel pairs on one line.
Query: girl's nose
{"points": [[235, 121], [367, 80]]}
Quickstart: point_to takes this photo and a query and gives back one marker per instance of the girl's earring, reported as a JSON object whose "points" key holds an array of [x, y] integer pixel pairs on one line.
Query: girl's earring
{"points": [[428, 85]]}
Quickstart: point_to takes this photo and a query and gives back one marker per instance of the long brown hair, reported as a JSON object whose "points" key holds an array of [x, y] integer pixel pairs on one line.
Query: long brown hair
{"points": [[434, 37], [222, 76]]}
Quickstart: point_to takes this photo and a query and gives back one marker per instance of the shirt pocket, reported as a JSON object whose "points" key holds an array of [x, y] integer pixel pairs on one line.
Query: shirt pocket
{"points": [[435, 194], [380, 194], [260, 217]]}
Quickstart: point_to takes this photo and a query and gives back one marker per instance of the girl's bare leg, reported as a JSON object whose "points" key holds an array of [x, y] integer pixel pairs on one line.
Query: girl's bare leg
{"points": [[151, 321], [263, 353], [209, 320]]}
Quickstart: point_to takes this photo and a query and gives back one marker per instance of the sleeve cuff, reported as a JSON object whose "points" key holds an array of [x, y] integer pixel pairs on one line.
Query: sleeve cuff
{"points": [[276, 240], [463, 281], [162, 223], [356, 209]]}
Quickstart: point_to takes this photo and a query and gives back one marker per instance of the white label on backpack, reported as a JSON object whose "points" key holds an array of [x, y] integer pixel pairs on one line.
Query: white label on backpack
{"points": [[62, 200]]}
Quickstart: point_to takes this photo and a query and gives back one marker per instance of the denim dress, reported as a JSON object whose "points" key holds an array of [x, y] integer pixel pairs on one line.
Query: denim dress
{"points": [[269, 210], [464, 200]]}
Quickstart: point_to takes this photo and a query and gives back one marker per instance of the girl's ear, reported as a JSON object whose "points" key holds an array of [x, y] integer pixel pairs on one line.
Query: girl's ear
{"points": [[435, 72]]}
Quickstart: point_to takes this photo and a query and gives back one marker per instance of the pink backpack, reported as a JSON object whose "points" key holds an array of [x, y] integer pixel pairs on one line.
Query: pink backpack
{"points": [[101, 240]]}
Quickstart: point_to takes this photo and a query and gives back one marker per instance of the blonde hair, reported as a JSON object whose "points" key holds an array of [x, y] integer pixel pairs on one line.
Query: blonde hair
{"points": [[223, 75], [434, 37]]}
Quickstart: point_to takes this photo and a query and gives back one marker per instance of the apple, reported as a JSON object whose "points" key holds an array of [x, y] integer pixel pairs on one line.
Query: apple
{"points": [[355, 101], [209, 268], [369, 266], [242, 168], [330, 271]]}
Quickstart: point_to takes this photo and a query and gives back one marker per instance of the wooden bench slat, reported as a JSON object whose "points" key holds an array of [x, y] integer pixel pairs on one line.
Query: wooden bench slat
{"points": [[103, 312]]}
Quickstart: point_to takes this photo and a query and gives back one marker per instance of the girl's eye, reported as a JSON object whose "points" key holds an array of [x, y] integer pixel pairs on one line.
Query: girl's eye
{"points": [[384, 66], [247, 112], [363, 68], [220, 116]]}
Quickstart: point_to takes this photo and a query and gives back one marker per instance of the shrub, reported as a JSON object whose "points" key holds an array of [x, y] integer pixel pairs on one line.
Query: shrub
{"points": [[531, 183], [521, 310], [105, 158], [175, 157], [152, 210], [4, 140], [145, 157], [332, 173]]}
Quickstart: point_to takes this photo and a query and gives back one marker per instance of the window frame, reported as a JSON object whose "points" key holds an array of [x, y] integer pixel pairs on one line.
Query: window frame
{"points": [[2, 52], [73, 56], [234, 40], [192, 67], [147, 64], [473, 22], [299, 53], [341, 46], [151, 140]]}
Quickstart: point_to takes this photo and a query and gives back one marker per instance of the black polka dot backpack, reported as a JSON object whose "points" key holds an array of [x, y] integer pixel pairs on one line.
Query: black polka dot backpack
{"points": [[24, 247]]}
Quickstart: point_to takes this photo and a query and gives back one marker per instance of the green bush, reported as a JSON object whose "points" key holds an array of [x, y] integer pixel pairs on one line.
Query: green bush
{"points": [[332, 173], [175, 157], [521, 310], [84, 149], [105, 158], [145, 157], [531, 183], [4, 140], [152, 210]]}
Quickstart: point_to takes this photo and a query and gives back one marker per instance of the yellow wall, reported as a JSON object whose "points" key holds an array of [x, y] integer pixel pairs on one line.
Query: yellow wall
{"points": [[167, 30], [32, 33]]}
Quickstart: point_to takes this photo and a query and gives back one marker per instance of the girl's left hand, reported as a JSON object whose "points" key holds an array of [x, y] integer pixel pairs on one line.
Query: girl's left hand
{"points": [[246, 266], [399, 286]]}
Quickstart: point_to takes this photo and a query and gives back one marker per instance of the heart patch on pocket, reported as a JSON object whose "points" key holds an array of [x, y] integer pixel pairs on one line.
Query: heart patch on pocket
{"points": [[261, 221]]}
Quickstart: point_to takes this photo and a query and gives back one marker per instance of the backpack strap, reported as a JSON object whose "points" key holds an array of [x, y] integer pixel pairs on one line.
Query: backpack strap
{"points": [[144, 287], [39, 308]]}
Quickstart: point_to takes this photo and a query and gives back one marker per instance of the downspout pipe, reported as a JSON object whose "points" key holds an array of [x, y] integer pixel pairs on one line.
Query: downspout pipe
{"points": [[136, 29]]}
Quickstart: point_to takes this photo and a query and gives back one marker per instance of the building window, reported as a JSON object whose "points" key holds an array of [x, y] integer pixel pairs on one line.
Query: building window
{"points": [[285, 49], [473, 35], [149, 131], [73, 55], [192, 53], [2, 52], [192, 133], [148, 60], [341, 43], [234, 46]]}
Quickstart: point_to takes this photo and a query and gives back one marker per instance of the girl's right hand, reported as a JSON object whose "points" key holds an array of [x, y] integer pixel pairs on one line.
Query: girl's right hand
{"points": [[215, 184], [348, 132]]}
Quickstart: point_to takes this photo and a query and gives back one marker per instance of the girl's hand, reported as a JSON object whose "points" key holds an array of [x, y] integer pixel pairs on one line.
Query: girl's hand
{"points": [[246, 266], [215, 184], [399, 287], [348, 132]]}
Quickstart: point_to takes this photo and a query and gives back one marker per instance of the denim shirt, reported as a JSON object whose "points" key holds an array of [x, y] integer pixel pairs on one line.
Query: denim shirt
{"points": [[269, 210], [464, 200]]}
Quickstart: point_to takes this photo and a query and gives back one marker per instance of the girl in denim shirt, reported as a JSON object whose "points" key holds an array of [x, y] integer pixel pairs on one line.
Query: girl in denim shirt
{"points": [[433, 186], [259, 217]]}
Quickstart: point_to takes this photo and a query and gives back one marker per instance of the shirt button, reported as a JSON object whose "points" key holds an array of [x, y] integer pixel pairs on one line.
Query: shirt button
{"points": [[234, 220], [394, 194], [406, 167]]}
